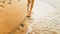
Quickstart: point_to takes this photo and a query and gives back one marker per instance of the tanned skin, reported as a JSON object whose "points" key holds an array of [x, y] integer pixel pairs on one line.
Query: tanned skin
{"points": [[29, 7]]}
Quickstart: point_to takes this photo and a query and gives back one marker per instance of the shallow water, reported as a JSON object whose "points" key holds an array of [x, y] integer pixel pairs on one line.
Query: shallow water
{"points": [[45, 19]]}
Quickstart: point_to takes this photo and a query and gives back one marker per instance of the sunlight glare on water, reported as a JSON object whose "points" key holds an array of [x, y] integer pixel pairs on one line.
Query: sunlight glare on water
{"points": [[42, 9]]}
